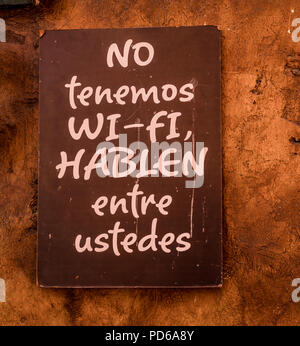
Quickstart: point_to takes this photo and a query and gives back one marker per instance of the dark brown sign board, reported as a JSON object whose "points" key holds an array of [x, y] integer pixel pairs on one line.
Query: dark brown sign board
{"points": [[15, 2], [130, 159]]}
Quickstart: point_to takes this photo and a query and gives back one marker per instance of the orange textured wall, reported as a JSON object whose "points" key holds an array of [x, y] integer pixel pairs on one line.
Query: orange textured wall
{"points": [[261, 109]]}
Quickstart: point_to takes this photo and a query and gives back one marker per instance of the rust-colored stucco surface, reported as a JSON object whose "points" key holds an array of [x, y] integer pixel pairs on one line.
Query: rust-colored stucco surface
{"points": [[260, 112]]}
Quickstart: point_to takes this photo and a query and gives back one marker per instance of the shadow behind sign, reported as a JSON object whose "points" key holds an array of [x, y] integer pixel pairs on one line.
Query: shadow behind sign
{"points": [[134, 230]]}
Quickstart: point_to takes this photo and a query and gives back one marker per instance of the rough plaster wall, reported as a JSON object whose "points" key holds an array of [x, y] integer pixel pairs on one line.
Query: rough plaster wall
{"points": [[260, 104]]}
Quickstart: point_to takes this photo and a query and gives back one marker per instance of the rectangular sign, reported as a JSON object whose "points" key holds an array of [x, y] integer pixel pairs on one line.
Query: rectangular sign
{"points": [[130, 160]]}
